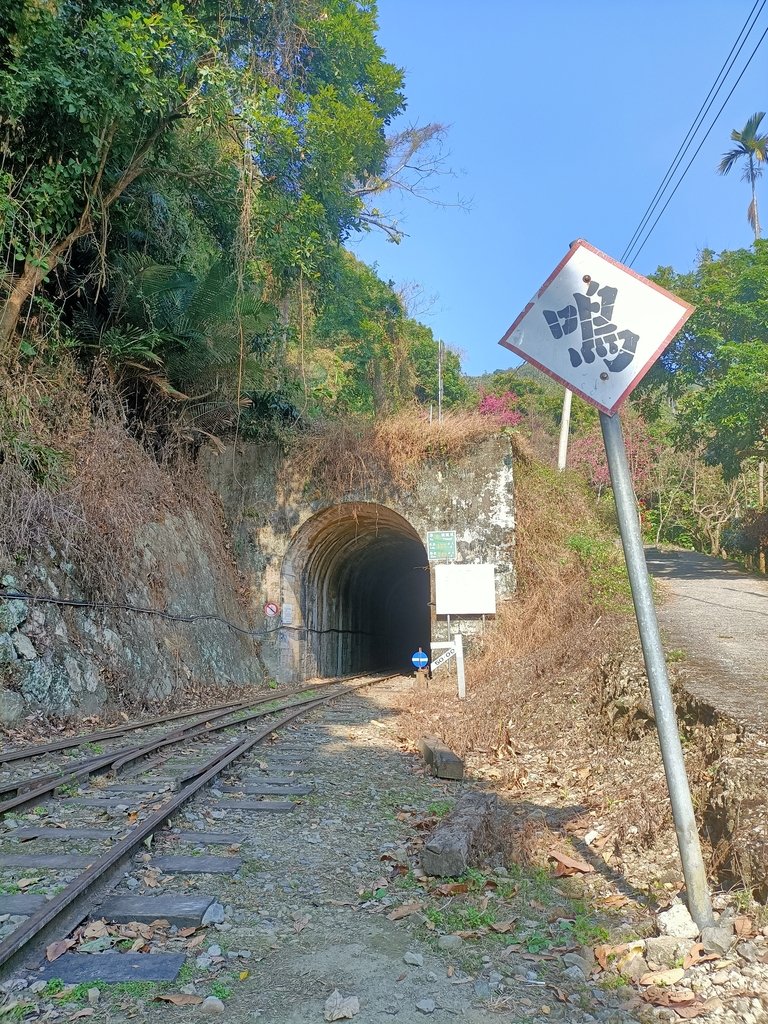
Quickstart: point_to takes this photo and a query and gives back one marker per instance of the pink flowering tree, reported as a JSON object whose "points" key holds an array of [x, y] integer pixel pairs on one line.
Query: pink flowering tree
{"points": [[587, 453], [501, 407]]}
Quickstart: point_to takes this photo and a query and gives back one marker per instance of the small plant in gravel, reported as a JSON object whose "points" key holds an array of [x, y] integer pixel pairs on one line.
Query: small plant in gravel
{"points": [[220, 990], [439, 808], [408, 881]]}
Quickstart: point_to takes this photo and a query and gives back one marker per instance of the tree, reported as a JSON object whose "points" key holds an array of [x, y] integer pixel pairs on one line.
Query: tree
{"points": [[716, 369], [294, 94], [753, 149]]}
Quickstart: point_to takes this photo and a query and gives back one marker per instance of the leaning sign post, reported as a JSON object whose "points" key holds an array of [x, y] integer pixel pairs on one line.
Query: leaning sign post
{"points": [[597, 327]]}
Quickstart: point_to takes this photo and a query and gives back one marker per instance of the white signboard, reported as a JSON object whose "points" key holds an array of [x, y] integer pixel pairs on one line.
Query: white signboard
{"points": [[465, 590], [596, 326]]}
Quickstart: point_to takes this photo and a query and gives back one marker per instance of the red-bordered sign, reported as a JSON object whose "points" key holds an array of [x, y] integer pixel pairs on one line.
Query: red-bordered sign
{"points": [[596, 326], [271, 610]]}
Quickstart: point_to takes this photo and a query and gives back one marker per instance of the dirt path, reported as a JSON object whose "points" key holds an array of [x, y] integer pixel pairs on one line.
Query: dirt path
{"points": [[717, 616]]}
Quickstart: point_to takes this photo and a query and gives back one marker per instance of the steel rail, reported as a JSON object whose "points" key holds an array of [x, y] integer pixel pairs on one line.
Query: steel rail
{"points": [[123, 848], [22, 753], [36, 787]]}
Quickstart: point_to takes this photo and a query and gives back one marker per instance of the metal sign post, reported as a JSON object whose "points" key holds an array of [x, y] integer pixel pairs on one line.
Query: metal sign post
{"points": [[597, 327], [661, 694]]}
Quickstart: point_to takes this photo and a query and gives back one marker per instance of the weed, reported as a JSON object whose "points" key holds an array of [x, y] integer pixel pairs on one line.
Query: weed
{"points": [[407, 881], [675, 655], [220, 990], [18, 1013], [52, 987], [9, 888], [186, 973], [613, 981], [439, 808], [460, 918], [93, 748]]}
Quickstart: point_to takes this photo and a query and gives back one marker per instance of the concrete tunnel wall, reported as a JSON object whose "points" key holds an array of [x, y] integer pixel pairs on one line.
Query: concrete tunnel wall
{"points": [[356, 581], [344, 564]]}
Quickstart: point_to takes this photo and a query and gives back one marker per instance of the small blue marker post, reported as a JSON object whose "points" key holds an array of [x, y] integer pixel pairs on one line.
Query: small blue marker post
{"points": [[419, 659]]}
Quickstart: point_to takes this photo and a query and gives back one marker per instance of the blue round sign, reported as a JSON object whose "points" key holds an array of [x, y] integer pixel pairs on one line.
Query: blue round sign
{"points": [[419, 659]]}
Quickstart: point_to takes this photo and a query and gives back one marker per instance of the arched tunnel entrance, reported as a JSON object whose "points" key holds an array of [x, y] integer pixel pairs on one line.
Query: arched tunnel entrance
{"points": [[359, 575]]}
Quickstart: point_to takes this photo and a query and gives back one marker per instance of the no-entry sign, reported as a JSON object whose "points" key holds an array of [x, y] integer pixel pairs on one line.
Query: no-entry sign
{"points": [[596, 326]]}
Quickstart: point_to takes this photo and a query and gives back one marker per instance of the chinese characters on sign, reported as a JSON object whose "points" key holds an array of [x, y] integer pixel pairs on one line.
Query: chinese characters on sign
{"points": [[598, 335], [596, 326]]}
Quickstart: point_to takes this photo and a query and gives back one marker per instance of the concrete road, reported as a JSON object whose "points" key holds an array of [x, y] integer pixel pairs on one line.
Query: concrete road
{"points": [[717, 615]]}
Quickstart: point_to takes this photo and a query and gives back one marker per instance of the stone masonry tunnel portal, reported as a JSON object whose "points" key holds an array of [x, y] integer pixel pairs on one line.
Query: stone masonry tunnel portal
{"points": [[358, 576]]}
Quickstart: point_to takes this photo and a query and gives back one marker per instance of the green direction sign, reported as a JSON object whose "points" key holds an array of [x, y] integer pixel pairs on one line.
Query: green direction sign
{"points": [[441, 546]]}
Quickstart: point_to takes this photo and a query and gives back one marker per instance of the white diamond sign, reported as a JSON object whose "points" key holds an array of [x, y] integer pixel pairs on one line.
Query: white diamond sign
{"points": [[596, 326]]}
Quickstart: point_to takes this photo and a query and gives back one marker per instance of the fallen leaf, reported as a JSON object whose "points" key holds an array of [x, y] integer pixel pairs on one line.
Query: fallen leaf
{"points": [[24, 883], [451, 888], [57, 949], [87, 1012], [301, 923], [404, 911], [615, 901], [567, 866], [243, 975], [742, 926], [179, 999], [697, 955], [663, 979], [95, 930], [184, 933], [97, 945], [502, 927], [339, 1007], [197, 941]]}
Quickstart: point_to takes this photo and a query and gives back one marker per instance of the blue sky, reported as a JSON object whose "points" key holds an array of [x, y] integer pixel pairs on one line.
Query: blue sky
{"points": [[563, 119]]}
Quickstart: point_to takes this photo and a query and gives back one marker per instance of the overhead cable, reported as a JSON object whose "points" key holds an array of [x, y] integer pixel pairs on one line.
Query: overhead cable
{"points": [[696, 124], [690, 162]]}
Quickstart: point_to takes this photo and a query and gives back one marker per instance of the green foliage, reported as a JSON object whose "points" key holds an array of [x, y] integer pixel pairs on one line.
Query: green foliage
{"points": [[607, 571], [176, 188], [220, 990], [439, 808], [716, 370]]}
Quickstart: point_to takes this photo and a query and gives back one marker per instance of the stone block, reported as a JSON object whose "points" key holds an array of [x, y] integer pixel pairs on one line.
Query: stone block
{"points": [[441, 760]]}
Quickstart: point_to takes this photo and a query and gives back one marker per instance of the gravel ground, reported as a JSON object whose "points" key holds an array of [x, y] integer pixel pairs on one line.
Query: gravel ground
{"points": [[331, 899]]}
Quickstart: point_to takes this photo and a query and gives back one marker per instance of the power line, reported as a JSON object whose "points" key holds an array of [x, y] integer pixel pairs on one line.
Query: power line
{"points": [[688, 138], [688, 165], [20, 595]]}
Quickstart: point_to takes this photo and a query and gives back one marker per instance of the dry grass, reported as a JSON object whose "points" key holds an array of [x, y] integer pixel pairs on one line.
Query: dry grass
{"points": [[76, 483], [526, 675], [358, 456]]}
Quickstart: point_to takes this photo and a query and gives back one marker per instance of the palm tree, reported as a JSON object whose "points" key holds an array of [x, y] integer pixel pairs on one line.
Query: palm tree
{"points": [[754, 148]]}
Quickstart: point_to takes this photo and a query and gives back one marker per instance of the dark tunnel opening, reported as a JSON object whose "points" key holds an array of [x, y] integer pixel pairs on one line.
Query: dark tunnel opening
{"points": [[364, 591]]}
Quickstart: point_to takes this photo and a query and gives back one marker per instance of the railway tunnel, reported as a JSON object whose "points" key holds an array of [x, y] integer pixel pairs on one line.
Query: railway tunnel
{"points": [[356, 581]]}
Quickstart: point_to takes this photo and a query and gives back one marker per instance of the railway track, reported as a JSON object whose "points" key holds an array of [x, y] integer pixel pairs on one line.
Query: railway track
{"points": [[137, 786]]}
